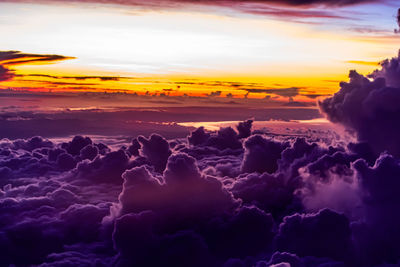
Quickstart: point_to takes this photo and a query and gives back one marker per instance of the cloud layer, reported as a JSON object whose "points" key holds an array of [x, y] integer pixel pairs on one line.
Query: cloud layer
{"points": [[217, 199], [225, 198]]}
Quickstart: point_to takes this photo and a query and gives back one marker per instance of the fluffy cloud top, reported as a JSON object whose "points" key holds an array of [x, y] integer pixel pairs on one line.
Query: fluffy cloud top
{"points": [[370, 107], [225, 198]]}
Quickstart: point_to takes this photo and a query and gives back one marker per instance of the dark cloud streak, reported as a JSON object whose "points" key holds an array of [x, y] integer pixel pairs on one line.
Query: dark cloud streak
{"points": [[5, 74], [102, 78], [285, 92], [10, 58], [295, 10], [175, 3]]}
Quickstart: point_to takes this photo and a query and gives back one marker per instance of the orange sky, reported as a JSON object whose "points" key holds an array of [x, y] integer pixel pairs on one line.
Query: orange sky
{"points": [[109, 48]]}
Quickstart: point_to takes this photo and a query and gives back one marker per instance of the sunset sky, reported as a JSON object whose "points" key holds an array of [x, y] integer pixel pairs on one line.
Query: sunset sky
{"points": [[281, 49], [200, 133]]}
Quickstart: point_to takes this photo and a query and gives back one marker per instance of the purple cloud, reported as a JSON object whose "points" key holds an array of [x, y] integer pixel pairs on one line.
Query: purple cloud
{"points": [[174, 3], [261, 154], [370, 107], [325, 234], [295, 10], [214, 199], [156, 150]]}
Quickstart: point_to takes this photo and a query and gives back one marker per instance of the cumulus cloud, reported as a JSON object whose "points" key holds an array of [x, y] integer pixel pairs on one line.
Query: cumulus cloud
{"points": [[185, 199], [367, 106], [225, 138], [133, 149], [184, 248], [380, 196], [156, 150], [262, 154], [103, 169], [222, 198], [370, 107], [244, 128], [89, 152], [268, 192], [199, 136], [78, 142], [319, 194], [182, 187], [324, 234]]}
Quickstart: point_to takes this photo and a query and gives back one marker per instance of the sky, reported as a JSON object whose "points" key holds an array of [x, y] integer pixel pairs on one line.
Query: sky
{"points": [[288, 50], [220, 133]]}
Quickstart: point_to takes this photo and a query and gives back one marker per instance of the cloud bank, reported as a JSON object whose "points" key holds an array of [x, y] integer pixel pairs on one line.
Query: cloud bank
{"points": [[207, 202], [226, 198]]}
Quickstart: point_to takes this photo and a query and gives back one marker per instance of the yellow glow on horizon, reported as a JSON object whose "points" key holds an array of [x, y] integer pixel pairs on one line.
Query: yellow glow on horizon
{"points": [[162, 49]]}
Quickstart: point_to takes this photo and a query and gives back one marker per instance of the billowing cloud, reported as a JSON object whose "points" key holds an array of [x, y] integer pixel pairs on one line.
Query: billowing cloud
{"points": [[223, 198], [244, 128], [369, 107], [262, 154], [325, 234], [186, 202], [156, 150]]}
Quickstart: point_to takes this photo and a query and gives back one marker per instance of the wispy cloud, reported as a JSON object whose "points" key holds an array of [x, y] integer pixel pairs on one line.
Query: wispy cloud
{"points": [[12, 58], [277, 8], [285, 92], [81, 77], [362, 62], [178, 3]]}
